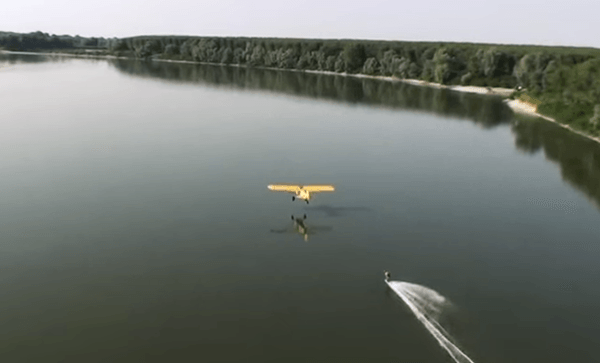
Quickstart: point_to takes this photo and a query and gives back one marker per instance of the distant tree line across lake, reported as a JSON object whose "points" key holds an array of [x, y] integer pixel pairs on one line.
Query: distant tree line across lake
{"points": [[43, 41], [563, 81]]}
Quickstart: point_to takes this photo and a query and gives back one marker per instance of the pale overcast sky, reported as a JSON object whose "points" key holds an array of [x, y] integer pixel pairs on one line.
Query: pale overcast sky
{"points": [[549, 22]]}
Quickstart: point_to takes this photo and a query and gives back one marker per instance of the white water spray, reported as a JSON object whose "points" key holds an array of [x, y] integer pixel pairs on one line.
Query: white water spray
{"points": [[427, 306]]}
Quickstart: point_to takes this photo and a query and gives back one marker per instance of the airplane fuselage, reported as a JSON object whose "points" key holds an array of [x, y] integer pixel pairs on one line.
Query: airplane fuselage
{"points": [[303, 194], [299, 191]]}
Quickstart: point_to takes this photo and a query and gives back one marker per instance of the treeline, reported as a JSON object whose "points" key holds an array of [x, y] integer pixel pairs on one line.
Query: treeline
{"points": [[564, 81], [43, 41]]}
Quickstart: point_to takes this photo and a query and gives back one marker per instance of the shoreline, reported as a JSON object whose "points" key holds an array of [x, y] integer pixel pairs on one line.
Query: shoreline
{"points": [[104, 56], [517, 106], [528, 109], [492, 91]]}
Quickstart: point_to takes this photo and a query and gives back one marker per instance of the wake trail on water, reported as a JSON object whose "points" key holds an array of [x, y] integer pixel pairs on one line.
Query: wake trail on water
{"points": [[427, 305]]}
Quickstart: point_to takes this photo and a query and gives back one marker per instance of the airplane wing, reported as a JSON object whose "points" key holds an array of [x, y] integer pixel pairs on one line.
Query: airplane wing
{"points": [[319, 188], [284, 188]]}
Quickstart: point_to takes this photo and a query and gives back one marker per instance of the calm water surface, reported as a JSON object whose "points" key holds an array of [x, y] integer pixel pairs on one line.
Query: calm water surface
{"points": [[136, 226]]}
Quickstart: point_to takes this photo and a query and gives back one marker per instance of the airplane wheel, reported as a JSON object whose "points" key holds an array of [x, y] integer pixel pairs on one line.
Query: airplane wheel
{"points": [[292, 217], [307, 202], [293, 199]]}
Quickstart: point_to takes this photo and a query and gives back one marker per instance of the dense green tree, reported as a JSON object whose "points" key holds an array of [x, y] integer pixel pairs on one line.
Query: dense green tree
{"points": [[371, 66], [466, 78], [227, 56], [441, 73], [354, 57], [330, 64], [555, 77], [304, 61], [414, 71], [595, 119], [405, 68], [238, 56], [340, 64], [475, 64], [171, 49], [428, 72], [527, 72], [256, 58], [185, 49], [490, 62], [271, 59], [387, 62], [287, 59]]}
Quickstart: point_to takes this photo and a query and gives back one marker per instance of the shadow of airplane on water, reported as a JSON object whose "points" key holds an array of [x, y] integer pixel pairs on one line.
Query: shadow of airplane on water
{"points": [[300, 227], [332, 211]]}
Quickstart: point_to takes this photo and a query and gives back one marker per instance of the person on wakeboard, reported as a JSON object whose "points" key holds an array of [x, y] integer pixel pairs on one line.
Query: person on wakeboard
{"points": [[388, 275]]}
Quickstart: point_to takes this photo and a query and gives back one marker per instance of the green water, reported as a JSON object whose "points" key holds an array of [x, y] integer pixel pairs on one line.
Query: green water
{"points": [[136, 224]]}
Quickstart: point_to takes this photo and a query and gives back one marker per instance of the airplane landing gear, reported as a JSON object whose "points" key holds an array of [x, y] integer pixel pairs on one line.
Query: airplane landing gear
{"points": [[293, 199], [307, 201]]}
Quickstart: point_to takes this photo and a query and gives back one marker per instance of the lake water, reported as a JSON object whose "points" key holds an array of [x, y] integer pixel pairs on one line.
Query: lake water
{"points": [[136, 224]]}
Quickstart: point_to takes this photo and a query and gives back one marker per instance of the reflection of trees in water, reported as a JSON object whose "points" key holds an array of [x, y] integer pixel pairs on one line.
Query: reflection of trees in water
{"points": [[13, 58], [578, 157], [484, 110]]}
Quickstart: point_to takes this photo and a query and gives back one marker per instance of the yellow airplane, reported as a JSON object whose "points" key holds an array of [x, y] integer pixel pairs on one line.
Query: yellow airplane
{"points": [[301, 192]]}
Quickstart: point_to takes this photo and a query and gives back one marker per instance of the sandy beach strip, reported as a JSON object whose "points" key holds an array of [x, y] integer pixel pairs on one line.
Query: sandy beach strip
{"points": [[529, 109], [526, 108]]}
